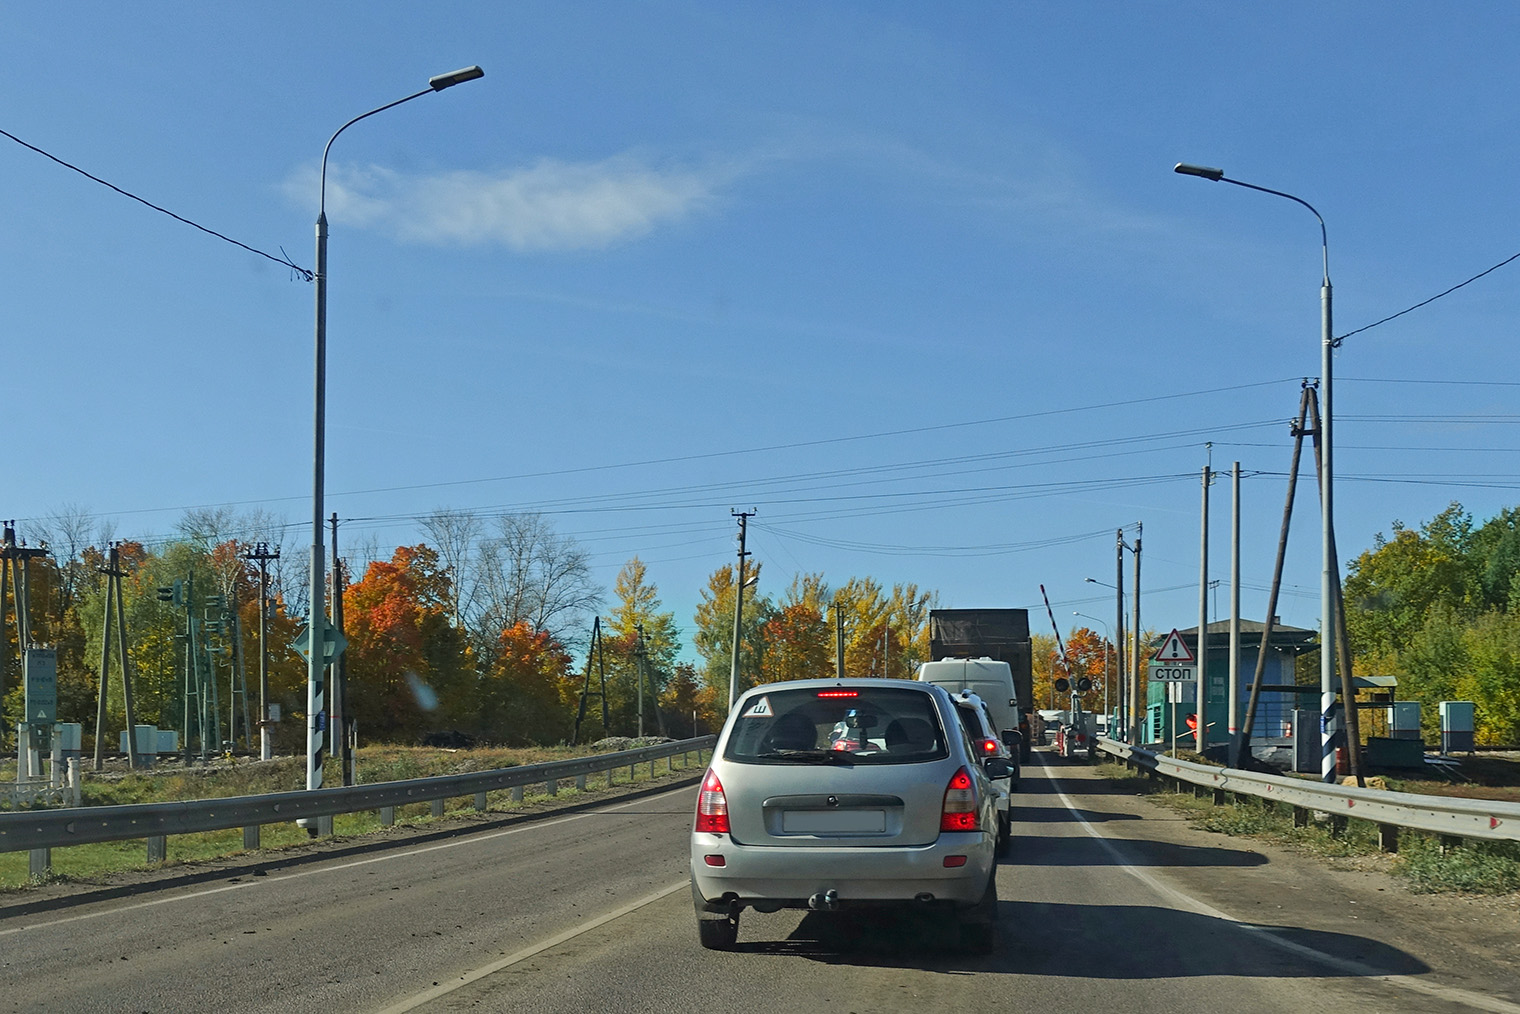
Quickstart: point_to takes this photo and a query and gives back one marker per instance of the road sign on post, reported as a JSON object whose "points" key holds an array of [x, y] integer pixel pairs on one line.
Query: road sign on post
{"points": [[1173, 672], [333, 642], [1175, 649], [41, 665]]}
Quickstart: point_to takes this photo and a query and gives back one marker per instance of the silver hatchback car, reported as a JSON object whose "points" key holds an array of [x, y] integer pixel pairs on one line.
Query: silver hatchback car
{"points": [[844, 794]]}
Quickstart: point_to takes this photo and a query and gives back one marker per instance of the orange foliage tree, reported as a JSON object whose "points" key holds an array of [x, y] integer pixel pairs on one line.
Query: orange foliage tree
{"points": [[409, 667], [521, 698]]}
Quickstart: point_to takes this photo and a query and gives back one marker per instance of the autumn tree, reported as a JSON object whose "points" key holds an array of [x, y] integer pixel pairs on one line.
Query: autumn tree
{"points": [[521, 699], [409, 668]]}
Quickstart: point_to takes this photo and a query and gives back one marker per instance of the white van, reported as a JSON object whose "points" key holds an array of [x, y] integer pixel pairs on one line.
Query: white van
{"points": [[989, 679]]}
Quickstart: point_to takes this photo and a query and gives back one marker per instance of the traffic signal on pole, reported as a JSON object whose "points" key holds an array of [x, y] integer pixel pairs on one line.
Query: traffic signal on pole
{"points": [[173, 594]]}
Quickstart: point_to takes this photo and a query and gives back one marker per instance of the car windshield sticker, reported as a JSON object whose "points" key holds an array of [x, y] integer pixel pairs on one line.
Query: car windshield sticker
{"points": [[760, 709]]}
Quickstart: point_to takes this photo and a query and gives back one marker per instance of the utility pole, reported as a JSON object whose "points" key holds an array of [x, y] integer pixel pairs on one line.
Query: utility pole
{"points": [[113, 572], [733, 671], [594, 652], [639, 665], [1119, 667], [14, 562], [261, 555], [838, 639], [1234, 703], [1136, 655], [1200, 741], [338, 721]]}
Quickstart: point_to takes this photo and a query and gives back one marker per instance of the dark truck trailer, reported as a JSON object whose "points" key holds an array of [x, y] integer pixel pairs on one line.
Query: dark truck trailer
{"points": [[1000, 634]]}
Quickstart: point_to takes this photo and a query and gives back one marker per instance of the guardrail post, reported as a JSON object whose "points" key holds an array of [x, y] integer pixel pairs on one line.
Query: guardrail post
{"points": [[388, 816], [250, 837], [633, 772], [1300, 817], [1388, 837], [670, 762], [1449, 842], [1219, 797], [517, 793], [580, 783], [39, 863], [610, 772], [552, 787], [436, 806], [651, 769], [480, 802], [1337, 825], [158, 848], [325, 825]]}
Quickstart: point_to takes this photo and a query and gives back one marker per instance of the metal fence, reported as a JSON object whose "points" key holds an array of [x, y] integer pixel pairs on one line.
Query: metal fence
{"points": [[1449, 816], [40, 831]]}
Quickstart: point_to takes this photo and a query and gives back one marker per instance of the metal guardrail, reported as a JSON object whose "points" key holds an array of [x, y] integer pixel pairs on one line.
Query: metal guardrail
{"points": [[1450, 816], [40, 830]]}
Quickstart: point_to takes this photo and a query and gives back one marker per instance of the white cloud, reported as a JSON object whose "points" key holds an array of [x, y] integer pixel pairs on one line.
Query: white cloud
{"points": [[552, 205]]}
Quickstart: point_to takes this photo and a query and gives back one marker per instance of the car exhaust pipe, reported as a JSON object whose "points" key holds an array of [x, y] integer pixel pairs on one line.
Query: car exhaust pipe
{"points": [[824, 901]]}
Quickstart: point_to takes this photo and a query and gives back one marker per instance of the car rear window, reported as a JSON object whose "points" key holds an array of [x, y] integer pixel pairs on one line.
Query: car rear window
{"points": [[971, 719], [860, 725]]}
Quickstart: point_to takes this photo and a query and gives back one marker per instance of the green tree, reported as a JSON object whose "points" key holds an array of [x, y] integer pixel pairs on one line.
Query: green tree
{"points": [[714, 633]]}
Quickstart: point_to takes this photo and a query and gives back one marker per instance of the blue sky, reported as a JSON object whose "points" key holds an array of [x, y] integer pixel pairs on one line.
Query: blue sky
{"points": [[914, 282]]}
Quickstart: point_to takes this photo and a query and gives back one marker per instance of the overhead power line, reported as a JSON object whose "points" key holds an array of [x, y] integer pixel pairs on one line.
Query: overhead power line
{"points": [[1426, 302], [282, 259]]}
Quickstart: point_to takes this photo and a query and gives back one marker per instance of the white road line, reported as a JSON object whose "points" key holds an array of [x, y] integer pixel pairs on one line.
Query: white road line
{"points": [[333, 868], [1267, 935], [414, 1002]]}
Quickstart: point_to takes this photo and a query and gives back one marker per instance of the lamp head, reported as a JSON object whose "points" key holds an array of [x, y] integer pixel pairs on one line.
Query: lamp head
{"points": [[1199, 170], [438, 82]]}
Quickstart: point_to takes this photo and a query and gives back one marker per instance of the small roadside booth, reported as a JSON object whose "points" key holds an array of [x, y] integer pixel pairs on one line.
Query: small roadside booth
{"points": [[1274, 708]]}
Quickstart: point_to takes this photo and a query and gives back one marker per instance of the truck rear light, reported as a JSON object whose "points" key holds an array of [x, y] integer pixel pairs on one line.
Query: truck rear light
{"points": [[959, 810], [712, 806]]}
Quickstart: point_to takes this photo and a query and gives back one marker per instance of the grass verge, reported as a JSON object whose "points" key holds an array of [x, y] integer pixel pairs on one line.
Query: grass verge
{"points": [[1422, 862], [87, 863]]}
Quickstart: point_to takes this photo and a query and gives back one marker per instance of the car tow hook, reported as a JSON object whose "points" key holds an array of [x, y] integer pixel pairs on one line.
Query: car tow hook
{"points": [[824, 901]]}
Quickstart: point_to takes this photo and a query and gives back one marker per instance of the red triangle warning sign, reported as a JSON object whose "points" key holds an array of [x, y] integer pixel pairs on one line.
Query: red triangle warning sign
{"points": [[1174, 649]]}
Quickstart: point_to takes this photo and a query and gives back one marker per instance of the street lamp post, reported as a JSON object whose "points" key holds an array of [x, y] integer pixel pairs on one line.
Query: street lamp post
{"points": [[1327, 638], [1126, 689], [316, 619], [1108, 633]]}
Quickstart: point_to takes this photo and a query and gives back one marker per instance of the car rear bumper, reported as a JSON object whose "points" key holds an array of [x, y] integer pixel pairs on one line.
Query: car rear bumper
{"points": [[791, 874]]}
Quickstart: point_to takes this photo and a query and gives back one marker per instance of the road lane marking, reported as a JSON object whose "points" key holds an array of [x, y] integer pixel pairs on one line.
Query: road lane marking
{"points": [[280, 878], [411, 1003], [1266, 934]]}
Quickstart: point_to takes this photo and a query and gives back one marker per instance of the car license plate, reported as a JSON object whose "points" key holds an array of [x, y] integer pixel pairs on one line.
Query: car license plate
{"points": [[834, 821]]}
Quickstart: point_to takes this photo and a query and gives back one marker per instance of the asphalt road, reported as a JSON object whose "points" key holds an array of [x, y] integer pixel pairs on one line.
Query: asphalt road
{"points": [[1108, 903]]}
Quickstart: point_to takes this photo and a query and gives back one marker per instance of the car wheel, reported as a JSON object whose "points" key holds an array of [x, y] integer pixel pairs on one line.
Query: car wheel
{"points": [[719, 934], [979, 924]]}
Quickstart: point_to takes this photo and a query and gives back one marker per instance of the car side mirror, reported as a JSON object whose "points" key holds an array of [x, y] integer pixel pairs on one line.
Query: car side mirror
{"points": [[1013, 739], [997, 767]]}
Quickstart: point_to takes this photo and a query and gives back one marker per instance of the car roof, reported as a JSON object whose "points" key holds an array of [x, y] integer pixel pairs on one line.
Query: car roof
{"points": [[847, 682]]}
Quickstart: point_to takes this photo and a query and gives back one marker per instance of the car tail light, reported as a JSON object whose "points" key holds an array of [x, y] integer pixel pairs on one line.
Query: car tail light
{"points": [[712, 806], [959, 811], [838, 693], [990, 747]]}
